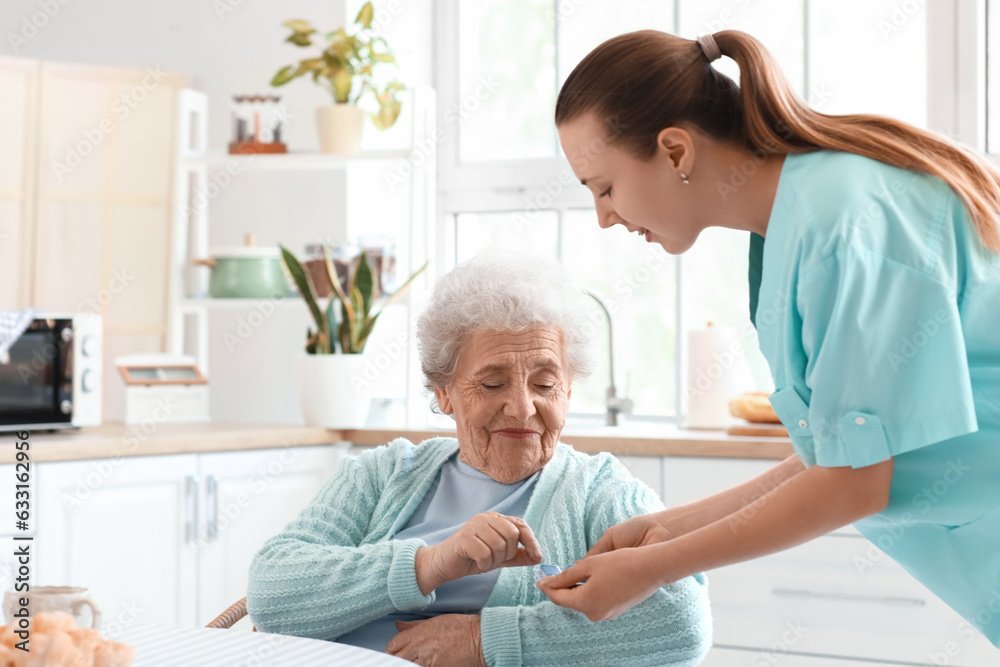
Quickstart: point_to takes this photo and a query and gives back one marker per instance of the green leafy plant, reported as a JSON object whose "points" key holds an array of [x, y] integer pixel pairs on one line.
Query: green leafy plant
{"points": [[351, 331], [346, 65]]}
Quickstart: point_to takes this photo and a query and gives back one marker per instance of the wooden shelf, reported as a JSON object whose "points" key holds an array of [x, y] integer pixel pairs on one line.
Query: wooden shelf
{"points": [[291, 301], [293, 161], [214, 304]]}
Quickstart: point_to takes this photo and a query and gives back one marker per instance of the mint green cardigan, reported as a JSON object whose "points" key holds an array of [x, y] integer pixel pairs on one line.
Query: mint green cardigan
{"points": [[336, 568]]}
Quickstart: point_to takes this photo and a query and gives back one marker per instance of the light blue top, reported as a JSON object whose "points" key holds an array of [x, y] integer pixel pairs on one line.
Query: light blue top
{"points": [[459, 493], [335, 568], [879, 315]]}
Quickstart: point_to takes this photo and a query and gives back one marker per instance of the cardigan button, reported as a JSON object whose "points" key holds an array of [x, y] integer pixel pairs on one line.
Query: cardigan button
{"points": [[860, 421], [803, 423]]}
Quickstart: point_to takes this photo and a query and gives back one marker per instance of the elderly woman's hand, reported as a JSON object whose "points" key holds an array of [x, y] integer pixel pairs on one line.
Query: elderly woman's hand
{"points": [[486, 541], [449, 639]]}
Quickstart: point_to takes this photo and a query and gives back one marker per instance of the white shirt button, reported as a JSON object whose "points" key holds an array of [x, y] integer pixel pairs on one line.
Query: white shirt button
{"points": [[860, 421], [803, 423]]}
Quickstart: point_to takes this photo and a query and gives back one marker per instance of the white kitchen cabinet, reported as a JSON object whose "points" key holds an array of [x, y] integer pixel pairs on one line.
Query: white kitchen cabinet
{"points": [[120, 527], [837, 600], [143, 535], [646, 469], [731, 657], [247, 498]]}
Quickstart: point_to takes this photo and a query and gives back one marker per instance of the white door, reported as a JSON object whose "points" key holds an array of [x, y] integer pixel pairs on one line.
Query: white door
{"points": [[247, 498], [104, 199], [19, 92], [118, 527]]}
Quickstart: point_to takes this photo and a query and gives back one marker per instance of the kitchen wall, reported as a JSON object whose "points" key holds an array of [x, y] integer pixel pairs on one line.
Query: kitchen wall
{"points": [[226, 47]]}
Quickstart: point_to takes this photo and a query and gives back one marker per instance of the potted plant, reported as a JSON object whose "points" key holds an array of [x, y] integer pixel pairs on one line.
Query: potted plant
{"points": [[328, 373], [346, 68]]}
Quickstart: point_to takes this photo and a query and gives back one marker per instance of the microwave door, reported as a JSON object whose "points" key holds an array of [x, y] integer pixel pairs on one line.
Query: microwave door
{"points": [[36, 383]]}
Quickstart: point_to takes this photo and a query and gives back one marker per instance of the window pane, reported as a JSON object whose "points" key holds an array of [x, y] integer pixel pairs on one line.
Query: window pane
{"points": [[506, 80], [636, 281], [716, 289], [584, 25], [776, 23], [475, 231], [870, 56]]}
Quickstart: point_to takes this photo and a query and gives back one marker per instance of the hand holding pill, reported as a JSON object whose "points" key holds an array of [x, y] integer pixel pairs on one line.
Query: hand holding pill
{"points": [[486, 542]]}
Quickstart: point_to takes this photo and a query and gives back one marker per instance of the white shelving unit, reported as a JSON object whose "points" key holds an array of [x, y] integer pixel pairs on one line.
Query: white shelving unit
{"points": [[190, 308]]}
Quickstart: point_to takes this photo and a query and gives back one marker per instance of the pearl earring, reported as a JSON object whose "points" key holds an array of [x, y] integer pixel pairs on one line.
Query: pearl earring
{"points": [[684, 179]]}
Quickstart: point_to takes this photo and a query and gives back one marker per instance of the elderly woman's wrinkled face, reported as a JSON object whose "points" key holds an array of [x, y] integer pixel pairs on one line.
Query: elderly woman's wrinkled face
{"points": [[509, 398]]}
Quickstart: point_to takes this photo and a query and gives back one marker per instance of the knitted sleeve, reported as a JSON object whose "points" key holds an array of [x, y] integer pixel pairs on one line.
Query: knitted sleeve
{"points": [[315, 578], [673, 627]]}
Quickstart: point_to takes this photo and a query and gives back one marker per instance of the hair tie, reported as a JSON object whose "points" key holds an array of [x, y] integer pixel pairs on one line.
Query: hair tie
{"points": [[709, 47]]}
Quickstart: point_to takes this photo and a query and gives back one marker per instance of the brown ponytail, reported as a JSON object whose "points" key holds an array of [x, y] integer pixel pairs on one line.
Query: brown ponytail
{"points": [[641, 82]]}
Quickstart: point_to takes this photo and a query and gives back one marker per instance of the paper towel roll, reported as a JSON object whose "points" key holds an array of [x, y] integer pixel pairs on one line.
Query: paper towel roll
{"points": [[717, 372]]}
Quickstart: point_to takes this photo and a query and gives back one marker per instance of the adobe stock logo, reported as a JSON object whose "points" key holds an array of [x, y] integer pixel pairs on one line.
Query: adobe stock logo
{"points": [[31, 25], [910, 345]]}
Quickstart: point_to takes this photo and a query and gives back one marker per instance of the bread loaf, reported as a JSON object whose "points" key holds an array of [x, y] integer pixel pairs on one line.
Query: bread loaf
{"points": [[754, 407]]}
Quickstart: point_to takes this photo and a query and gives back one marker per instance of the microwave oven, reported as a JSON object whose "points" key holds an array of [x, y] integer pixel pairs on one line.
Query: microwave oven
{"points": [[51, 377]]}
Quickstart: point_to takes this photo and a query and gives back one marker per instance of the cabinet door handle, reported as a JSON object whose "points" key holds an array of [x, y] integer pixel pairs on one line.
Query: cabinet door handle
{"points": [[212, 499], [190, 509], [878, 599]]}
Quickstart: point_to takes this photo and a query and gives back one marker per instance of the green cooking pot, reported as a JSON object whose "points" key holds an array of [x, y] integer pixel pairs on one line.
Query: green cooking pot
{"points": [[247, 272]]}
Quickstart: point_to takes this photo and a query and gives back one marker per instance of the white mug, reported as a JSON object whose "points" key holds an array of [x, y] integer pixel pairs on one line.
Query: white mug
{"points": [[70, 599]]}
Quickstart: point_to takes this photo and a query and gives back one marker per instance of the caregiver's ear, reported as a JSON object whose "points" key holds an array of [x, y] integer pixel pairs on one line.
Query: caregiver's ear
{"points": [[444, 402], [678, 145]]}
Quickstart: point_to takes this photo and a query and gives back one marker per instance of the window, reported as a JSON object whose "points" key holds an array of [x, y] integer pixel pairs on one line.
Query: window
{"points": [[503, 178]]}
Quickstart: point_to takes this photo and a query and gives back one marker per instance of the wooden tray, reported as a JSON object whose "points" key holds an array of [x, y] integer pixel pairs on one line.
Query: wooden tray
{"points": [[761, 430]]}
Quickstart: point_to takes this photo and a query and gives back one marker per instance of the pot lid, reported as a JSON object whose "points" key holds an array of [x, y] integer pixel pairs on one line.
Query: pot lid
{"points": [[245, 252]]}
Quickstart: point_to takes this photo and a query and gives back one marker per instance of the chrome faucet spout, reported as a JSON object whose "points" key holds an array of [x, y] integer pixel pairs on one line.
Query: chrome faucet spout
{"points": [[615, 404]]}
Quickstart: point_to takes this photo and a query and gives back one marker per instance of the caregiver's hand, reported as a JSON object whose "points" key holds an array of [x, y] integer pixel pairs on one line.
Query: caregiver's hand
{"points": [[486, 541], [442, 641], [616, 582], [639, 531]]}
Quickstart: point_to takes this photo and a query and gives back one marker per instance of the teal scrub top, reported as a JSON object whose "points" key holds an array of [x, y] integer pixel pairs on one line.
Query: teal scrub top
{"points": [[878, 311]]}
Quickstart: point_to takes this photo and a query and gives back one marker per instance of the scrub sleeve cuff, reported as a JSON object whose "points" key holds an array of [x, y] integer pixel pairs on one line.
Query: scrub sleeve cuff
{"points": [[501, 636], [403, 589]]}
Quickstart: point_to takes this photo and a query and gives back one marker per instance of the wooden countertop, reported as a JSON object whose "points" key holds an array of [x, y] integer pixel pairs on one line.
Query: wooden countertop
{"points": [[113, 440]]}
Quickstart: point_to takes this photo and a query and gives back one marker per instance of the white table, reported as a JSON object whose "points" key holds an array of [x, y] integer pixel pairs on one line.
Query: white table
{"points": [[166, 646]]}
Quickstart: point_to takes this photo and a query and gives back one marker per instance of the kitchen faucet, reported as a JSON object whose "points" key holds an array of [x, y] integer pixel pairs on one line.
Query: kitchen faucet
{"points": [[615, 404]]}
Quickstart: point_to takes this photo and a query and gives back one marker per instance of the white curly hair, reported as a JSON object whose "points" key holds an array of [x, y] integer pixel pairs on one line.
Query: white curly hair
{"points": [[505, 291]]}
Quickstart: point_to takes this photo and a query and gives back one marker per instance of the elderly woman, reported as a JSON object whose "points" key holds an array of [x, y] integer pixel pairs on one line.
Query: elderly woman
{"points": [[424, 551]]}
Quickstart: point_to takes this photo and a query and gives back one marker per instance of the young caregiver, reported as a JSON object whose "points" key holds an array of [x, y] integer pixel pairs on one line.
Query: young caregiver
{"points": [[875, 292]]}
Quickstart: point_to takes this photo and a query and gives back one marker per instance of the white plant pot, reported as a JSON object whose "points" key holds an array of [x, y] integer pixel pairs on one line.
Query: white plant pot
{"points": [[340, 127], [328, 390]]}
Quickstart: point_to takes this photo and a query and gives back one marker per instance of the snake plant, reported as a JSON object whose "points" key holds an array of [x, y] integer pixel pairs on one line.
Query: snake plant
{"points": [[351, 330]]}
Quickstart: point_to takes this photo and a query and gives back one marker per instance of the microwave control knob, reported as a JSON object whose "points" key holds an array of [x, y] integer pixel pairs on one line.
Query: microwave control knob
{"points": [[87, 381], [88, 346], [66, 335], [66, 407]]}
